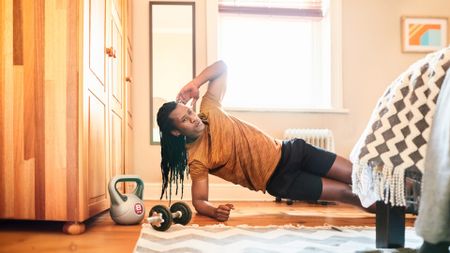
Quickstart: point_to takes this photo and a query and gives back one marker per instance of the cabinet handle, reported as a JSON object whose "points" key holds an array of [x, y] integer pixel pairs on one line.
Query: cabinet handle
{"points": [[129, 79], [111, 52]]}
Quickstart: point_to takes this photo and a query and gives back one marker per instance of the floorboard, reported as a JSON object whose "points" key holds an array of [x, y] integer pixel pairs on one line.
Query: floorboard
{"points": [[102, 235]]}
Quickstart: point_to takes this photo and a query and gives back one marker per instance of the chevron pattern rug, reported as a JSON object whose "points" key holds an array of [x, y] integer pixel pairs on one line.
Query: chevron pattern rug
{"points": [[269, 239]]}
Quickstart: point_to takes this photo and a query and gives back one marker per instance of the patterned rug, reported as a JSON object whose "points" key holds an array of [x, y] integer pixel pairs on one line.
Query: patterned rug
{"points": [[221, 238]]}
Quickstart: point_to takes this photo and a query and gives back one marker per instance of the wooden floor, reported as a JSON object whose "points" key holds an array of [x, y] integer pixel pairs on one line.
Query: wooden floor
{"points": [[102, 235]]}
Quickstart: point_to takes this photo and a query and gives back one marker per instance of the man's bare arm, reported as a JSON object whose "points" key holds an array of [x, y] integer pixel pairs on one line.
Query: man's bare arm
{"points": [[203, 206], [215, 74]]}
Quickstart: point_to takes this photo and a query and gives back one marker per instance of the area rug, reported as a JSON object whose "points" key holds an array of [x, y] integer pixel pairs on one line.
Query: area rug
{"points": [[265, 239]]}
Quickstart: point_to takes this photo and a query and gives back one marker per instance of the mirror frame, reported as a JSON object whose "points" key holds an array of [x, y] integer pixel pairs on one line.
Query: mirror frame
{"points": [[152, 3]]}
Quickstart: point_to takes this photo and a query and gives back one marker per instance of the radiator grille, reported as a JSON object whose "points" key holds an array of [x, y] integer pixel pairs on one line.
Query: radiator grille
{"points": [[322, 138]]}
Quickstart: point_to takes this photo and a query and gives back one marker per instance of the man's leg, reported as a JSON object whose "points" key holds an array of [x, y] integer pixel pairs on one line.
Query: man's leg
{"points": [[341, 170], [333, 190]]}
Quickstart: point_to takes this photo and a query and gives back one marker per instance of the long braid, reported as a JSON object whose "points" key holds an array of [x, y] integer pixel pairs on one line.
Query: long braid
{"points": [[173, 152]]}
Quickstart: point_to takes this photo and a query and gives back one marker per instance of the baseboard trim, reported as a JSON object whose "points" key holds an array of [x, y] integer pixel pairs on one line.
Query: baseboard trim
{"points": [[217, 192]]}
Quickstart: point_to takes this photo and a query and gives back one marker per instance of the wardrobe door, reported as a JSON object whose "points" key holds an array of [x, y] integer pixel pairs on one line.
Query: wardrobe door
{"points": [[129, 112], [129, 165], [96, 121], [117, 84]]}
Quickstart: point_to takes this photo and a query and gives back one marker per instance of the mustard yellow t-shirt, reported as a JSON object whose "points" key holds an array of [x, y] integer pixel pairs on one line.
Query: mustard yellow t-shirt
{"points": [[232, 149]]}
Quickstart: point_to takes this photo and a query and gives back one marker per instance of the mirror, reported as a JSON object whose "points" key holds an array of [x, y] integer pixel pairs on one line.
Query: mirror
{"points": [[172, 54]]}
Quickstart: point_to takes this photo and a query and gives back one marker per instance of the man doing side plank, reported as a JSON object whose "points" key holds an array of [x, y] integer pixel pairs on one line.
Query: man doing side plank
{"points": [[214, 142]]}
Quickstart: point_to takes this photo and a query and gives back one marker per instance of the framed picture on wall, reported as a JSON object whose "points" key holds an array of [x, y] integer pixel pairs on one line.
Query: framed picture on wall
{"points": [[424, 34]]}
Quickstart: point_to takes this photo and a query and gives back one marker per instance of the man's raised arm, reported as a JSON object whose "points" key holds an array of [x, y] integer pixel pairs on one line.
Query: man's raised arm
{"points": [[215, 74]]}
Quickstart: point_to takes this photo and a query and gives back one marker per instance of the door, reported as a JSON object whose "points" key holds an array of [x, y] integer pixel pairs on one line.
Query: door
{"points": [[95, 109], [117, 84]]}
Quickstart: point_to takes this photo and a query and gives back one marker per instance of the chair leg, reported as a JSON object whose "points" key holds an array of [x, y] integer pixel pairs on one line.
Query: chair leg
{"points": [[390, 226]]}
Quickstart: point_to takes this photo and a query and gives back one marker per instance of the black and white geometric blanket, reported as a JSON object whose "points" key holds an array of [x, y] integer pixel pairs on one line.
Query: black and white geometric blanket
{"points": [[395, 139]]}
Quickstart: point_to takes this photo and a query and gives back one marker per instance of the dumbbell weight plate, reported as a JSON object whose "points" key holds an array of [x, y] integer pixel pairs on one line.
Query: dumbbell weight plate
{"points": [[166, 215], [186, 213]]}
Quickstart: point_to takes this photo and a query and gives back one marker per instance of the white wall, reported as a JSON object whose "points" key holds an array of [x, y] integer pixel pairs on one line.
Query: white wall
{"points": [[372, 59]]}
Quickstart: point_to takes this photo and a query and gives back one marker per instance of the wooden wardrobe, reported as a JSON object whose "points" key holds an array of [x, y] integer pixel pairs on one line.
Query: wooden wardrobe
{"points": [[65, 112]]}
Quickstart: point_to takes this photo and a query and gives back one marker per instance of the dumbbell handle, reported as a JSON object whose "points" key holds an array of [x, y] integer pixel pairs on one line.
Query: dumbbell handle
{"points": [[155, 219], [158, 218]]}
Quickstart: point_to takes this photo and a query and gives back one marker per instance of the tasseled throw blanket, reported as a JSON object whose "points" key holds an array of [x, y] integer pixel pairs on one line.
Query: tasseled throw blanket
{"points": [[396, 137]]}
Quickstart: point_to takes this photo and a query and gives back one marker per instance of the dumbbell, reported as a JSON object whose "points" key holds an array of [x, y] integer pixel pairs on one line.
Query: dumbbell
{"points": [[161, 218]]}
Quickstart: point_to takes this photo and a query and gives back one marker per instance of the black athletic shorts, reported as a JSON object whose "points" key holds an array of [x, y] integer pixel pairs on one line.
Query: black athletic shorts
{"points": [[299, 171]]}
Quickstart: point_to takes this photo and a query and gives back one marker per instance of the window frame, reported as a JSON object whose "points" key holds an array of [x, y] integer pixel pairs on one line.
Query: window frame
{"points": [[336, 87]]}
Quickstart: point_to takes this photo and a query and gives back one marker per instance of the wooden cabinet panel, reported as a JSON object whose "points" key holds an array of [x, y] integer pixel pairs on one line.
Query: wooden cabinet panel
{"points": [[23, 170], [117, 7], [129, 89], [129, 22], [96, 171], [117, 79], [117, 145], [129, 165], [96, 14], [129, 161]]}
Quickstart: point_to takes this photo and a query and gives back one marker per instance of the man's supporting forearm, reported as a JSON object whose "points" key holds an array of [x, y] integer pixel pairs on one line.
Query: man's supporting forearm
{"points": [[204, 207]]}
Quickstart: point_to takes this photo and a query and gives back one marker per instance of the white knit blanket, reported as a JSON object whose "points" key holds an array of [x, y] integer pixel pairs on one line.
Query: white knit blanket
{"points": [[396, 137]]}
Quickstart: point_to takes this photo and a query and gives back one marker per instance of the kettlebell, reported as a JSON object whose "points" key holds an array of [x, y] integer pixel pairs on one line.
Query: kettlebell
{"points": [[126, 209]]}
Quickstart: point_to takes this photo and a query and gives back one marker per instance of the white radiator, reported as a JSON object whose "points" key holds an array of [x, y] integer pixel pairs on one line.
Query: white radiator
{"points": [[322, 138]]}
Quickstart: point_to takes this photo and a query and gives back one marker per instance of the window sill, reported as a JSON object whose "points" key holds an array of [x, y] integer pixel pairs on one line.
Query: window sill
{"points": [[294, 110]]}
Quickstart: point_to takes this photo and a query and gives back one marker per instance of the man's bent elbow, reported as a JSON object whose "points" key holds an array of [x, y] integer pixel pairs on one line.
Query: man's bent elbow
{"points": [[197, 206], [222, 66]]}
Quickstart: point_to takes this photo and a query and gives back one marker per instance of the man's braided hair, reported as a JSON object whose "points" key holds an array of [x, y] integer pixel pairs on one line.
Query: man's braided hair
{"points": [[173, 151]]}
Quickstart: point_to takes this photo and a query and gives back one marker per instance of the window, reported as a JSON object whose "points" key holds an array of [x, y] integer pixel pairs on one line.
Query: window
{"points": [[278, 54]]}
